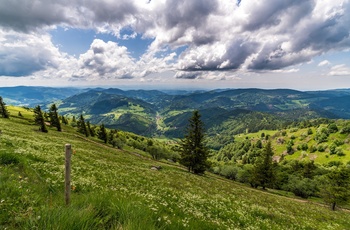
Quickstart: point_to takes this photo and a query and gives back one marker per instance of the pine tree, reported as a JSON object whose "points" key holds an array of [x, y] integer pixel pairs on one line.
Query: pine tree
{"points": [[3, 110], [263, 169], [39, 119], [194, 154], [54, 118], [102, 133], [82, 126]]}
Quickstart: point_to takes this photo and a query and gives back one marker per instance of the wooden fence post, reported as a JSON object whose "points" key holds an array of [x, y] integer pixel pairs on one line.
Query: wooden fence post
{"points": [[67, 173]]}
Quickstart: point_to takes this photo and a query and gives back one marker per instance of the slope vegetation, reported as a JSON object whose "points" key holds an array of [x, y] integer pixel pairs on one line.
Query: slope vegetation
{"points": [[115, 189]]}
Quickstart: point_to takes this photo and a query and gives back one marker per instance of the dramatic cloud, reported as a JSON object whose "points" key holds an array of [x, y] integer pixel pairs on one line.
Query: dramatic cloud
{"points": [[215, 36], [23, 54]]}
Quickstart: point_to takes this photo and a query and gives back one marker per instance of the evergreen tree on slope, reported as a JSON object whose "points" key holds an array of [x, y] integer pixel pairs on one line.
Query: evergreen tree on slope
{"points": [[194, 154]]}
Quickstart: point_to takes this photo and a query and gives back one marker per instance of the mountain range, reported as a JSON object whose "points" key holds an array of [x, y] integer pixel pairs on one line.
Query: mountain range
{"points": [[225, 112]]}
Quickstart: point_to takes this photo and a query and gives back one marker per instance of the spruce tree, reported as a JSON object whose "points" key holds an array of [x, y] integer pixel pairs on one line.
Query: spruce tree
{"points": [[54, 118], [64, 120], [39, 119], [90, 129], [3, 110], [263, 174], [194, 154], [82, 126], [102, 133]]}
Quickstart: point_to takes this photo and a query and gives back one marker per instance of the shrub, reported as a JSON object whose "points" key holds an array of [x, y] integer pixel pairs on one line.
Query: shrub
{"points": [[229, 171], [309, 131], [301, 187], [312, 149], [334, 163], [321, 148], [340, 152], [338, 142], [345, 130], [332, 128]]}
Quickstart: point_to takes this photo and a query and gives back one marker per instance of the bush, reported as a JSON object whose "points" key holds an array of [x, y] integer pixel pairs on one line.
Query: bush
{"points": [[309, 131], [345, 130], [338, 142], [321, 148], [340, 152], [312, 149], [303, 147], [229, 171], [301, 187], [332, 128]]}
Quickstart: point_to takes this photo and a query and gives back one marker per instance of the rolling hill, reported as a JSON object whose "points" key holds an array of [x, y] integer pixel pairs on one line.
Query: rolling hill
{"points": [[118, 189], [168, 113], [225, 112]]}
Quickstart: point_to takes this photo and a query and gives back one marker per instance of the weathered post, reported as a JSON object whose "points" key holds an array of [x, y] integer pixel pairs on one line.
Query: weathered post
{"points": [[67, 173]]}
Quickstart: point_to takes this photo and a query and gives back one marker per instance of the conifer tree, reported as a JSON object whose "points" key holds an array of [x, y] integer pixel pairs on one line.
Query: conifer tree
{"points": [[194, 154], [90, 129], [54, 118], [39, 119], [102, 133], [3, 110], [82, 126], [263, 169], [64, 120]]}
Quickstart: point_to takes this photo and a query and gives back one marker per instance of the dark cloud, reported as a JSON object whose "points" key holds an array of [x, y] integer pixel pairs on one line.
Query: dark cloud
{"points": [[218, 35], [186, 14], [32, 15], [269, 14], [29, 15]]}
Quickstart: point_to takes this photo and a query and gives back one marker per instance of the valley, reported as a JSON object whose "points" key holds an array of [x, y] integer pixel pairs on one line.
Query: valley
{"points": [[115, 185]]}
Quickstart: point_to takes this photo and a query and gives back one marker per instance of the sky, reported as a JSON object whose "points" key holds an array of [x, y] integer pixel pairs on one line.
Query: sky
{"points": [[176, 44]]}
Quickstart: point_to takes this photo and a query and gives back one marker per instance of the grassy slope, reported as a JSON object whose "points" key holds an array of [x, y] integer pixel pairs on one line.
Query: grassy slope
{"points": [[115, 189], [301, 137]]}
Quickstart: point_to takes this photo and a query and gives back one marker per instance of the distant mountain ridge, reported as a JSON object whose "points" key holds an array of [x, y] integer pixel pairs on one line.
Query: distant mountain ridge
{"points": [[224, 111], [33, 95]]}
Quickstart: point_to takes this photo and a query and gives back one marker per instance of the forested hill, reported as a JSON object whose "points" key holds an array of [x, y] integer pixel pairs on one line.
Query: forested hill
{"points": [[155, 112], [152, 112]]}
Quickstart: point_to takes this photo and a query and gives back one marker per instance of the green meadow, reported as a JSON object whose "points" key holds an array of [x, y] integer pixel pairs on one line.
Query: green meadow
{"points": [[118, 189]]}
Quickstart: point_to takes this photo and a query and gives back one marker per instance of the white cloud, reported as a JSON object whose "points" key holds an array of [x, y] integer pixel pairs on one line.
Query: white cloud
{"points": [[218, 36], [23, 54], [340, 70], [324, 63]]}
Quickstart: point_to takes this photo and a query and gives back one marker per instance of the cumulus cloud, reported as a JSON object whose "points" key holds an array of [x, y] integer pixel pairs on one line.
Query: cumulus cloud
{"points": [[23, 54], [218, 35], [107, 60]]}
